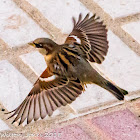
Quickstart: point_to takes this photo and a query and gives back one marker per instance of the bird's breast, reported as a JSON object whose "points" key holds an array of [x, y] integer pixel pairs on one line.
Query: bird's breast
{"points": [[48, 58]]}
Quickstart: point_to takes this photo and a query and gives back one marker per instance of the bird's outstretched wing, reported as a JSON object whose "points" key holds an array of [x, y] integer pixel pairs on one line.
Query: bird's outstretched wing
{"points": [[93, 37], [45, 97]]}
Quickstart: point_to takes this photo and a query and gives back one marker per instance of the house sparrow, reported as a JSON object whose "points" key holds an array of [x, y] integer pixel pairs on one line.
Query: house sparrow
{"points": [[69, 66]]}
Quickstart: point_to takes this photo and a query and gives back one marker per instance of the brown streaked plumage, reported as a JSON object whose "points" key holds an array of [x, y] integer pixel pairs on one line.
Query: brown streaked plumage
{"points": [[93, 36], [69, 65]]}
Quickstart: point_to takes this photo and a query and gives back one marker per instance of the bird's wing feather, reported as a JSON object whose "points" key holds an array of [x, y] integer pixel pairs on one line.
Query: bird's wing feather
{"points": [[45, 97], [93, 37]]}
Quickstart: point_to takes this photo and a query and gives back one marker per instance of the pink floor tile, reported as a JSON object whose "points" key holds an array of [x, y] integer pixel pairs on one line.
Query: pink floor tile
{"points": [[120, 125], [70, 132]]}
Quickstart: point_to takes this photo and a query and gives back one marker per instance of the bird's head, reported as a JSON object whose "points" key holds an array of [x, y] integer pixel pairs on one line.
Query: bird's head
{"points": [[45, 45]]}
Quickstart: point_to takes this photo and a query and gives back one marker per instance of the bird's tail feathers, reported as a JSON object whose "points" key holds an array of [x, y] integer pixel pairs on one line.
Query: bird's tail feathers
{"points": [[115, 90]]}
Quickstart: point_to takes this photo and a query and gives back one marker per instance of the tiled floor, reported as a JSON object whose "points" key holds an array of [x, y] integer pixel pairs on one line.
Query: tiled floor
{"points": [[96, 114]]}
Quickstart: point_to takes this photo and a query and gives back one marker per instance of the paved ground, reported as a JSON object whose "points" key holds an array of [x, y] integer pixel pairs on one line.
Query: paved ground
{"points": [[96, 114]]}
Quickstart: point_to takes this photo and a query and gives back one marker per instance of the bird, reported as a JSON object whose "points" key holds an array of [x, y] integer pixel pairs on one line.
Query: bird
{"points": [[68, 70]]}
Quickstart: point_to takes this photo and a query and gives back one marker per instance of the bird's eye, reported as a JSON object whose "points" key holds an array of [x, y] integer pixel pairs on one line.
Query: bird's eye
{"points": [[38, 45], [41, 46]]}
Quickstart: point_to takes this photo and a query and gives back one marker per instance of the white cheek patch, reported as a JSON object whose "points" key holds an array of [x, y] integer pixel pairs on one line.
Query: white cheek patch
{"points": [[51, 78], [77, 39]]}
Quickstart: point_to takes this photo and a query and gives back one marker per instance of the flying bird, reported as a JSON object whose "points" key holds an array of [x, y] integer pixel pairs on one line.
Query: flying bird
{"points": [[69, 69]]}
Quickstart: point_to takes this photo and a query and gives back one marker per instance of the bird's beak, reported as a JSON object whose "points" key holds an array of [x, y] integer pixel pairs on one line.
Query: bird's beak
{"points": [[32, 44]]}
